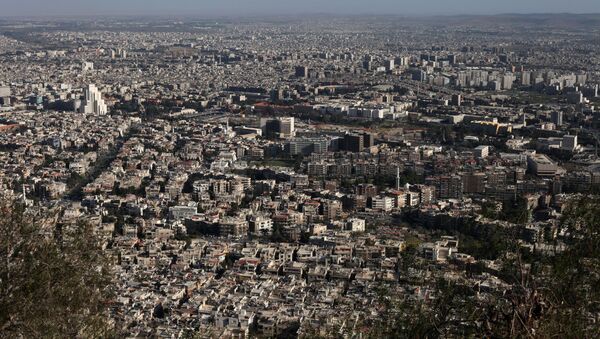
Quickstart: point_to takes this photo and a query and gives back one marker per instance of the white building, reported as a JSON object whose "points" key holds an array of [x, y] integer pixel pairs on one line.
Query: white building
{"points": [[482, 151], [87, 66], [355, 225], [384, 204], [93, 103]]}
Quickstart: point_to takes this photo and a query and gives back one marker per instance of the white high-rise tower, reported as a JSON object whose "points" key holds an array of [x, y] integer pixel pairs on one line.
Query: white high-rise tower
{"points": [[93, 103]]}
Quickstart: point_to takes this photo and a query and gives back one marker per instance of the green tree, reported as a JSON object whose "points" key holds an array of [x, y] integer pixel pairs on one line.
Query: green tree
{"points": [[53, 279], [552, 296], [571, 286]]}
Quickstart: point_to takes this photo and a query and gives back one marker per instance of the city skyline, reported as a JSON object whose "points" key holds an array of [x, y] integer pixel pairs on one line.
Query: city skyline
{"points": [[37, 8]]}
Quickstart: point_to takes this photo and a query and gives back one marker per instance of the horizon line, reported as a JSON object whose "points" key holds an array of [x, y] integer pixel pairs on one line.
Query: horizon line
{"points": [[274, 15]]}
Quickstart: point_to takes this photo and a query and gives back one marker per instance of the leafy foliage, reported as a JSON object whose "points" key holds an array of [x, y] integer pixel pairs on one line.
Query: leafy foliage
{"points": [[551, 297], [53, 279]]}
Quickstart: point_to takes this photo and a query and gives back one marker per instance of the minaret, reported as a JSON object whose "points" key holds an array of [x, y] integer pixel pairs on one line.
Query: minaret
{"points": [[398, 178], [24, 195]]}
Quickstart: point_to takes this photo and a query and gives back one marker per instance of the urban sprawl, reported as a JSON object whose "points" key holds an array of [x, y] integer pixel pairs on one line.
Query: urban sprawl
{"points": [[271, 176]]}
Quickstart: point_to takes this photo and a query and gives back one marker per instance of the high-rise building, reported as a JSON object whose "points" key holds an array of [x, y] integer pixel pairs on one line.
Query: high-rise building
{"points": [[4, 95], [526, 78], [331, 209], [402, 61], [93, 103], [307, 146], [354, 143], [575, 97], [368, 140], [569, 142], [507, 81], [389, 64], [474, 182], [4, 91], [286, 127], [302, 72], [277, 94], [419, 75], [447, 187], [557, 118], [269, 127], [452, 59], [427, 194], [282, 127], [456, 100]]}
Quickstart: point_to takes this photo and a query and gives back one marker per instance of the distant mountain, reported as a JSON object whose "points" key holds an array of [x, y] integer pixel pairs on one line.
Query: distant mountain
{"points": [[562, 20]]}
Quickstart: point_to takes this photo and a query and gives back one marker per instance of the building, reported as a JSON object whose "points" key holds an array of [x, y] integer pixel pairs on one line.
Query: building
{"points": [[557, 118], [182, 212], [318, 169], [93, 103], [331, 209], [474, 183], [5, 95], [232, 226], [389, 64], [507, 81], [426, 194], [355, 225], [368, 140], [412, 198], [447, 187], [367, 190], [282, 127], [482, 151], [354, 143], [541, 165], [367, 65], [307, 146], [383, 204], [456, 100], [302, 72], [260, 224], [286, 128], [441, 250], [491, 127], [569, 143], [87, 66], [575, 98]]}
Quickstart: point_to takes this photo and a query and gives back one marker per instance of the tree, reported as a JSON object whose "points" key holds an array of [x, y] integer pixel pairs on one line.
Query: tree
{"points": [[53, 279], [571, 286], [555, 296]]}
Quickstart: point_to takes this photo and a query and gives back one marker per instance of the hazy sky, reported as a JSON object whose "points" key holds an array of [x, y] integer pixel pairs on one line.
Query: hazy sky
{"points": [[257, 7]]}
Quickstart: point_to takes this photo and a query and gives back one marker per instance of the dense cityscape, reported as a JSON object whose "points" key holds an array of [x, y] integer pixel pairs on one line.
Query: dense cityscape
{"points": [[304, 176]]}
